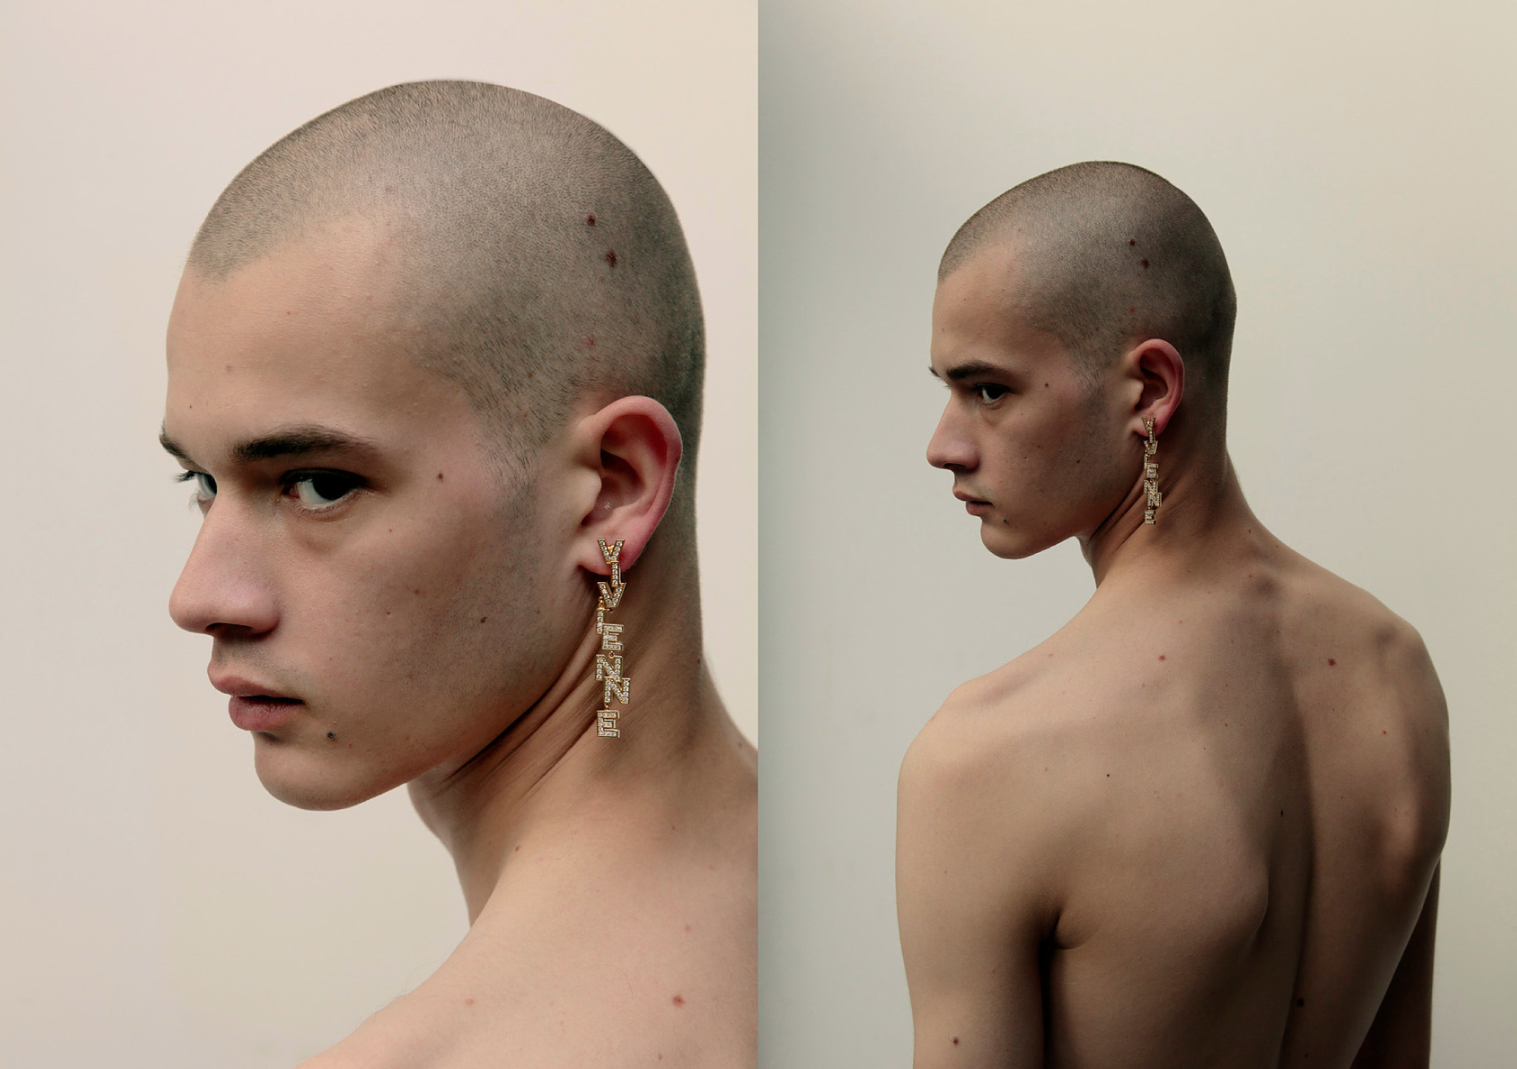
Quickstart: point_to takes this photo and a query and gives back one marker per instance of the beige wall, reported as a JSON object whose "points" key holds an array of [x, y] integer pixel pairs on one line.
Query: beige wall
{"points": [[156, 907], [1358, 162]]}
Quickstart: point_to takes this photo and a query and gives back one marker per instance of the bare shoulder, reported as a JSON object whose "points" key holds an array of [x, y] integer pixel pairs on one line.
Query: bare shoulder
{"points": [[1336, 625], [992, 766], [1372, 701], [645, 956]]}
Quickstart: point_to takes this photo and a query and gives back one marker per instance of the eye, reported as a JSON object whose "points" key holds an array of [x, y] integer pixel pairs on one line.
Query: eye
{"points": [[990, 392], [317, 490], [205, 486]]}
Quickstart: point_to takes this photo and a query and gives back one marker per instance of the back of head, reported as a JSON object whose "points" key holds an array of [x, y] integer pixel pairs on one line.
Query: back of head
{"points": [[542, 262], [1109, 254]]}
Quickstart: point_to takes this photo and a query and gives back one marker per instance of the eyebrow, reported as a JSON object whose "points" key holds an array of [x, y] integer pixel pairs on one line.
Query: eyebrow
{"points": [[967, 370], [291, 442]]}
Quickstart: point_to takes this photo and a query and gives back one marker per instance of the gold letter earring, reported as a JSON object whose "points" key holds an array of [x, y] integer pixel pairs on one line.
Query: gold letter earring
{"points": [[608, 664], [1151, 472]]}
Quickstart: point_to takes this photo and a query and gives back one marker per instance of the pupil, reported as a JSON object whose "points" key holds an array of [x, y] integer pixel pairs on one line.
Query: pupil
{"points": [[329, 487]]}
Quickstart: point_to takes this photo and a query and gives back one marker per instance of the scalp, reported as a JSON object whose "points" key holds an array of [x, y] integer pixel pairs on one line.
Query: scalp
{"points": [[543, 261], [1109, 254]]}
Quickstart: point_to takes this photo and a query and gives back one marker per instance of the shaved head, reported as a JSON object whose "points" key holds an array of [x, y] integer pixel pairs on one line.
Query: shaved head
{"points": [[1107, 255], [542, 264]]}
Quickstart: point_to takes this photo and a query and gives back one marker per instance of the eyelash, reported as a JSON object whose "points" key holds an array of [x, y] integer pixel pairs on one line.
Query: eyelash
{"points": [[287, 483], [979, 389]]}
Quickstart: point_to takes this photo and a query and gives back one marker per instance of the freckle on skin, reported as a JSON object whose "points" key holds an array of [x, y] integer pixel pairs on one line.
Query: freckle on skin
{"points": [[590, 219], [439, 476], [1331, 662], [955, 1041], [1161, 656], [468, 1002], [611, 257], [679, 1000], [1132, 241], [1144, 262], [331, 735]]}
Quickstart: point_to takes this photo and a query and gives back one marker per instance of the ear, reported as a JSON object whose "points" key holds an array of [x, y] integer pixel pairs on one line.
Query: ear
{"points": [[633, 447], [1158, 370]]}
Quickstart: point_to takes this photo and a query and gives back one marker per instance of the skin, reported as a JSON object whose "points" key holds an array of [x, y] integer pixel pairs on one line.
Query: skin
{"points": [[1199, 825], [368, 572]]}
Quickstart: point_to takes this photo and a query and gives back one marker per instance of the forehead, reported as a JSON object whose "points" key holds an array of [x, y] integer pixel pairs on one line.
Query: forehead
{"points": [[306, 335], [978, 316]]}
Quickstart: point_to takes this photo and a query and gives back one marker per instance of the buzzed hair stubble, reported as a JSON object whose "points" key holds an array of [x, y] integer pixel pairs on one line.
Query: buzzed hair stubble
{"points": [[542, 260], [1110, 254]]}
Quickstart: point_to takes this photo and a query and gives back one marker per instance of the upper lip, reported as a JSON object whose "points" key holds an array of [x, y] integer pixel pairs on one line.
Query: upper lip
{"points": [[238, 687]]}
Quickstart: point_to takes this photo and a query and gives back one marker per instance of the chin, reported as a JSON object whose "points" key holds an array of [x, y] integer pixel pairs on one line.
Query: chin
{"points": [[312, 781], [1010, 543]]}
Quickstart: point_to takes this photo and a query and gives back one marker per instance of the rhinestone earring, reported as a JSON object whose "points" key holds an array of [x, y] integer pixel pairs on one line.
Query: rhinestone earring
{"points": [[1151, 472], [608, 663]]}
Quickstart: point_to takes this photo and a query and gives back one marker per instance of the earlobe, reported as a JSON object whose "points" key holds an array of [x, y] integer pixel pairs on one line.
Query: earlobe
{"points": [[634, 447]]}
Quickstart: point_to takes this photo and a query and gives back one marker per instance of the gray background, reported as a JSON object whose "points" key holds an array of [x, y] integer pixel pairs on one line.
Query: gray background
{"points": [[1358, 162], [157, 908]]}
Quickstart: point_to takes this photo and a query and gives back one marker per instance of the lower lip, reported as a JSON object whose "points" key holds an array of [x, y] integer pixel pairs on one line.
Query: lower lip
{"points": [[977, 508], [261, 714]]}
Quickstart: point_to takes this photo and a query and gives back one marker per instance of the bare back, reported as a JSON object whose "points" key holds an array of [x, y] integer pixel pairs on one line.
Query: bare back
{"points": [[1197, 826]]}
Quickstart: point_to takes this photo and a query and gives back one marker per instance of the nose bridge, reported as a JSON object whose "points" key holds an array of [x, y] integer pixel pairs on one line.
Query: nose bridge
{"points": [[950, 445], [224, 581]]}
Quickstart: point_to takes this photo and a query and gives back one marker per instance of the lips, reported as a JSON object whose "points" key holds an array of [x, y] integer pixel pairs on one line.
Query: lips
{"points": [[255, 707], [975, 506]]}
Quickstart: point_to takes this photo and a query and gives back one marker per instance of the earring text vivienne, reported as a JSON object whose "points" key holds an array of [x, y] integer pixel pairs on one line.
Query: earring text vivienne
{"points": [[608, 663], [1151, 473]]}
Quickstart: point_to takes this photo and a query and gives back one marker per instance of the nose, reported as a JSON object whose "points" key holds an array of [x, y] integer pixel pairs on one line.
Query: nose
{"points": [[950, 448], [222, 587]]}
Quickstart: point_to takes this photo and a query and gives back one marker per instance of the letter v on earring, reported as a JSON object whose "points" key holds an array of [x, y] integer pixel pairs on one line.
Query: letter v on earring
{"points": [[608, 662], [1151, 473]]}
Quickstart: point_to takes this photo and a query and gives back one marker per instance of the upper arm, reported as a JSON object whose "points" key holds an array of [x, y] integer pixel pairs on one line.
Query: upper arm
{"points": [[970, 904], [1401, 1035]]}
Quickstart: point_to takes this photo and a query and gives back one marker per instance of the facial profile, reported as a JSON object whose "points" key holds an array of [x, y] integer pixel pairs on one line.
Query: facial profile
{"points": [[378, 594], [1035, 443], [418, 342], [1068, 311]]}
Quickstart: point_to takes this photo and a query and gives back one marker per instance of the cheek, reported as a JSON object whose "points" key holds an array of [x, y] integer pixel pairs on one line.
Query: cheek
{"points": [[431, 628]]}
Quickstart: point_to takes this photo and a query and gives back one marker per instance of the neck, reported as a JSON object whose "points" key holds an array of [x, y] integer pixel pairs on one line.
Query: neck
{"points": [[1203, 505], [551, 769]]}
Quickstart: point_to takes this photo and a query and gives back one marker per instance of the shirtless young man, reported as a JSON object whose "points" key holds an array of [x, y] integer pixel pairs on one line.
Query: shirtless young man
{"points": [[1200, 825], [430, 351]]}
